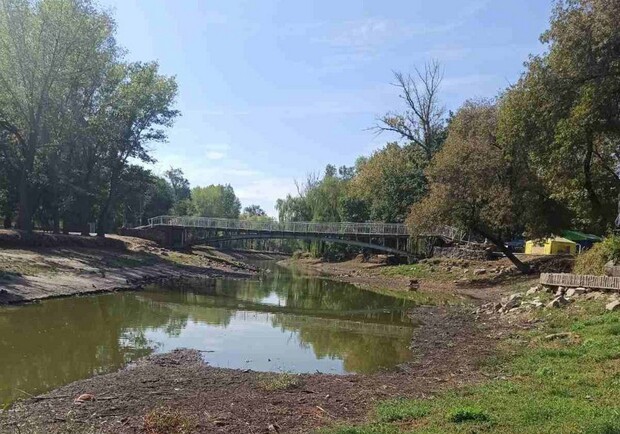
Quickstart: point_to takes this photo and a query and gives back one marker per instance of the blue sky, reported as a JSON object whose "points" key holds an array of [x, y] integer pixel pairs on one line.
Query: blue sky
{"points": [[272, 89]]}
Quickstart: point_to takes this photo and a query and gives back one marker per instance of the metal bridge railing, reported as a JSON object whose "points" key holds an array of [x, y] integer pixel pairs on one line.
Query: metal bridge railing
{"points": [[271, 226]]}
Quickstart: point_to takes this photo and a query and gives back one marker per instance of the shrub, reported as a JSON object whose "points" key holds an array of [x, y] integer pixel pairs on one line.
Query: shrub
{"points": [[593, 261]]}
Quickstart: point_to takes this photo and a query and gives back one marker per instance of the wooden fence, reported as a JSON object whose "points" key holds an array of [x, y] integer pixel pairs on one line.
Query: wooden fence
{"points": [[576, 281]]}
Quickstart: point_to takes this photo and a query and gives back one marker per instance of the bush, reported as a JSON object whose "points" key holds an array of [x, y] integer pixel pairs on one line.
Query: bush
{"points": [[593, 261]]}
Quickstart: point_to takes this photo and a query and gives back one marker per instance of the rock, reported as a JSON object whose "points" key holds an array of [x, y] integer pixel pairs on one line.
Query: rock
{"points": [[273, 427], [594, 295], [560, 291], [533, 290], [558, 302], [572, 292], [612, 269], [497, 307], [515, 296], [480, 272], [512, 303], [537, 304], [613, 306], [84, 397]]}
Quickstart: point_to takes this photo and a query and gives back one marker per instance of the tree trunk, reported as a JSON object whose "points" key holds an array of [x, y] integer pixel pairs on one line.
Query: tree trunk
{"points": [[24, 214], [521, 266]]}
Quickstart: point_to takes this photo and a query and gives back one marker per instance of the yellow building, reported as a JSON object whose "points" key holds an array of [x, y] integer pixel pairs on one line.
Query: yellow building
{"points": [[551, 246]]}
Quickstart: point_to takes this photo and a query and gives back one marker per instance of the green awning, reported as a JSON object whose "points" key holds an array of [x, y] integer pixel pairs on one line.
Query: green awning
{"points": [[580, 236]]}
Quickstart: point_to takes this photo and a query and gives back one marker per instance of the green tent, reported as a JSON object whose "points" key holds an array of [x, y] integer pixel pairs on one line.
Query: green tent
{"points": [[577, 237]]}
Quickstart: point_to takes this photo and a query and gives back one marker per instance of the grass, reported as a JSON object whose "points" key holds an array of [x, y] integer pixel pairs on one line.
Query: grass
{"points": [[540, 386], [272, 382], [424, 271], [167, 421]]}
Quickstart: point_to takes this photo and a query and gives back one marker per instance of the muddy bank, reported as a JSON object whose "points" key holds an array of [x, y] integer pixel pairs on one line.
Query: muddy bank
{"points": [[120, 263], [449, 344]]}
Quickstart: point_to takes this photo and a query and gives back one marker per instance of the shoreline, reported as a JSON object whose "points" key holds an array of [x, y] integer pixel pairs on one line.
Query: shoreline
{"points": [[31, 274], [227, 400]]}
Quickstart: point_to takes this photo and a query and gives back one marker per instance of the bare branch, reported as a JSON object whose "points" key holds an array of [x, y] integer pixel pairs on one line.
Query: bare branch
{"points": [[422, 121]]}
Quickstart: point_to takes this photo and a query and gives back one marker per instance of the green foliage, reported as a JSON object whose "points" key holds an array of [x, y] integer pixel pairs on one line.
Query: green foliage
{"points": [[390, 181], [391, 411], [253, 211], [564, 111], [467, 414], [73, 116], [215, 201], [593, 261]]}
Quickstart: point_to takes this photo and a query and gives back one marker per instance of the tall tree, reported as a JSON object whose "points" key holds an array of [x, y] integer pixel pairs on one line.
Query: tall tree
{"points": [[422, 122], [565, 110], [483, 185], [46, 47], [390, 181], [215, 201], [139, 106], [254, 211]]}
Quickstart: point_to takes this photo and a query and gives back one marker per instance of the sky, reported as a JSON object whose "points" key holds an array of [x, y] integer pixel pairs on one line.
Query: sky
{"points": [[271, 90]]}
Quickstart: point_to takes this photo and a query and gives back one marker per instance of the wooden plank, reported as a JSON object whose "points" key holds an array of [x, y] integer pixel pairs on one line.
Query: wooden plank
{"points": [[575, 280]]}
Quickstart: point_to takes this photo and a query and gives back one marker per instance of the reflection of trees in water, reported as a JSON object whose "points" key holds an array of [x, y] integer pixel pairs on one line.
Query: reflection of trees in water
{"points": [[312, 294], [59, 341], [363, 347]]}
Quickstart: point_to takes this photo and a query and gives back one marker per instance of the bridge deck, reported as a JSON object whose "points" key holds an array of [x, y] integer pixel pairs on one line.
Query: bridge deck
{"points": [[343, 228]]}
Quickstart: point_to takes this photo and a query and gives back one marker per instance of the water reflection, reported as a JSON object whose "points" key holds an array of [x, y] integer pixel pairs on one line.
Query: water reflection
{"points": [[281, 322]]}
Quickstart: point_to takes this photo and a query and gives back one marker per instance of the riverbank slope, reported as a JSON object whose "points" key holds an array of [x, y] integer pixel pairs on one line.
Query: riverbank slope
{"points": [[48, 266]]}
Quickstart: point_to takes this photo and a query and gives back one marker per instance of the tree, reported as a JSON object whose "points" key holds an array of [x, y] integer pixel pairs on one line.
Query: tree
{"points": [[390, 181], [215, 201], [179, 184], [254, 211], [422, 123], [46, 47], [483, 185], [564, 110], [138, 106]]}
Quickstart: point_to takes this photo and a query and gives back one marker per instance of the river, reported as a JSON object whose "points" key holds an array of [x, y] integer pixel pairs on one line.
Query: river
{"points": [[283, 321]]}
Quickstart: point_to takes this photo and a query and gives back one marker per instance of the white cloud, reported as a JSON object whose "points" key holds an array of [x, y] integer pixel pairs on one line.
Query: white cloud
{"points": [[215, 155]]}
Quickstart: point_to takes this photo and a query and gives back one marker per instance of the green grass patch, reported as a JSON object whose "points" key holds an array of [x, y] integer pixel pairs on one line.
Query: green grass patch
{"points": [[271, 382], [541, 385], [401, 409], [468, 414]]}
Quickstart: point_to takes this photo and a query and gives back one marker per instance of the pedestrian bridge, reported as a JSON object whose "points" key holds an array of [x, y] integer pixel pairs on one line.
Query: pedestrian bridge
{"points": [[187, 230]]}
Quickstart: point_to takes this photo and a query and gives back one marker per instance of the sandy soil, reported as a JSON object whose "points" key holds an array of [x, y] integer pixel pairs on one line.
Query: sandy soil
{"points": [[35, 273]]}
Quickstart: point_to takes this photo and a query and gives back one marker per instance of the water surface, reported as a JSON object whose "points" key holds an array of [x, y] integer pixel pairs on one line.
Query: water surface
{"points": [[284, 322]]}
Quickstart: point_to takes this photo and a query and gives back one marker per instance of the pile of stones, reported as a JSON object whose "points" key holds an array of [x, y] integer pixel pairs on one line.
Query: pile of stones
{"points": [[562, 296]]}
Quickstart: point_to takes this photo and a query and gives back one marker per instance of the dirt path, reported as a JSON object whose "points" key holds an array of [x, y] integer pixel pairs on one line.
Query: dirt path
{"points": [[449, 343]]}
